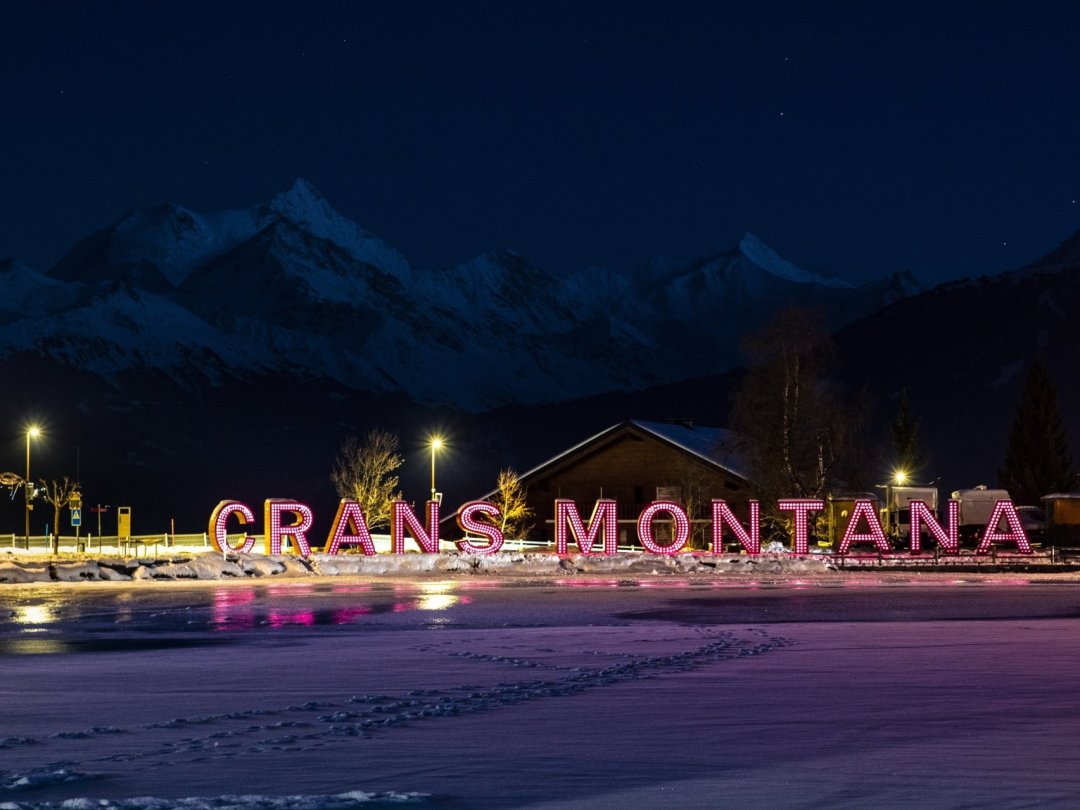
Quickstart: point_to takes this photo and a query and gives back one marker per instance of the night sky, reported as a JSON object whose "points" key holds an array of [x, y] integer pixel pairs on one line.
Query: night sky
{"points": [[856, 138]]}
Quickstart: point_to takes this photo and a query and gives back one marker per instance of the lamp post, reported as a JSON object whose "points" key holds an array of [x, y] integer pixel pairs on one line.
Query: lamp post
{"points": [[436, 445], [32, 432], [899, 478]]}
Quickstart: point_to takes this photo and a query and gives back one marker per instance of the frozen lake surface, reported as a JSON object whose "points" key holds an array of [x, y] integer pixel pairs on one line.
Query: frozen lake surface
{"points": [[583, 693]]}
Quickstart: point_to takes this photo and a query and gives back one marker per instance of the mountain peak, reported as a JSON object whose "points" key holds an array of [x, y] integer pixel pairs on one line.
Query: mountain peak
{"points": [[770, 261], [302, 194], [303, 205]]}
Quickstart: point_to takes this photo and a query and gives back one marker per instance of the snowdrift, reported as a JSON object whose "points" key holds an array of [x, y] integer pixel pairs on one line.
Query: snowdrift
{"points": [[214, 566]]}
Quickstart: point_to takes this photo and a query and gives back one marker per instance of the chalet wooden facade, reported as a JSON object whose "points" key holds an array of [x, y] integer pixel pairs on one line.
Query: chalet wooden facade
{"points": [[636, 463]]}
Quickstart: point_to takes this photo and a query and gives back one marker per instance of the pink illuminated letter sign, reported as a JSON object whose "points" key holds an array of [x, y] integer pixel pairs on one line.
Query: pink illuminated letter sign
{"points": [[604, 519], [948, 538], [801, 509], [1005, 510], [681, 527], [469, 524], [864, 510], [219, 519], [402, 519], [275, 533], [749, 539], [350, 529]]}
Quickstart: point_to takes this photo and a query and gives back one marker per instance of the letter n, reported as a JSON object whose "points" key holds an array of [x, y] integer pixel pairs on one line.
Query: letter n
{"points": [[749, 538], [403, 519]]}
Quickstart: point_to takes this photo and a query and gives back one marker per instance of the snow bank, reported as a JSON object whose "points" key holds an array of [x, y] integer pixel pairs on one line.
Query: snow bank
{"points": [[214, 566], [338, 801]]}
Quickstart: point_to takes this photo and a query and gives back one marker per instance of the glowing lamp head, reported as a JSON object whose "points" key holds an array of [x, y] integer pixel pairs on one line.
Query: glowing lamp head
{"points": [[33, 431], [436, 443], [900, 478]]}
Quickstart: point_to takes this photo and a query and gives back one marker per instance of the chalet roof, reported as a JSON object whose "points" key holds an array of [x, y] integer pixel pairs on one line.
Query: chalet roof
{"points": [[711, 445]]}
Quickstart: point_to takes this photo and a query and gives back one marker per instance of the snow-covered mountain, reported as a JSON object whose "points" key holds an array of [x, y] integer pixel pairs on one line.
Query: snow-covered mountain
{"points": [[292, 286]]}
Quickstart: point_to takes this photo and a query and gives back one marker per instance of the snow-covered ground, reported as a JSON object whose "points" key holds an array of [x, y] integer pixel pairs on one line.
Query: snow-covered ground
{"points": [[587, 692], [198, 564], [175, 564]]}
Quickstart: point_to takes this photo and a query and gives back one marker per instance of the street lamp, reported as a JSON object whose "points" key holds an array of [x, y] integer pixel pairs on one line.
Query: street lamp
{"points": [[436, 445], [32, 432]]}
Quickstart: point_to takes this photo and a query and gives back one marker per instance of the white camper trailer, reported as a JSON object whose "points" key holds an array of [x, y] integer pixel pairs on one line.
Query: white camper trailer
{"points": [[976, 507], [896, 516]]}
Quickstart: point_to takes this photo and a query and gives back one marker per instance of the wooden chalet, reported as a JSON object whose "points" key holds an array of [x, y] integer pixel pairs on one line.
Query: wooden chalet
{"points": [[636, 463]]}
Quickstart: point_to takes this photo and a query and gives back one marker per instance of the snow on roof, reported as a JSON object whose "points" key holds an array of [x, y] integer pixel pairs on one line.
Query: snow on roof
{"points": [[712, 444], [707, 443]]}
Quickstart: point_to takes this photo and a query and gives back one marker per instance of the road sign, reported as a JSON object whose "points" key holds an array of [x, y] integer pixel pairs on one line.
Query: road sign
{"points": [[98, 510], [76, 517]]}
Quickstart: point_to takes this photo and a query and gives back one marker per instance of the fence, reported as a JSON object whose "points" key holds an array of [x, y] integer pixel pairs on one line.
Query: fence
{"points": [[168, 543], [136, 544]]}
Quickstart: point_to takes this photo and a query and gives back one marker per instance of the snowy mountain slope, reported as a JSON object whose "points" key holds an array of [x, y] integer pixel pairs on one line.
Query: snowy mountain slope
{"points": [[304, 206], [167, 242], [155, 247], [120, 328], [767, 259], [292, 286], [27, 293]]}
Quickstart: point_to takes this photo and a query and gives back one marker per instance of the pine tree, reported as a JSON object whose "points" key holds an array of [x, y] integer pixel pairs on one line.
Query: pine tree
{"points": [[1037, 458], [904, 434]]}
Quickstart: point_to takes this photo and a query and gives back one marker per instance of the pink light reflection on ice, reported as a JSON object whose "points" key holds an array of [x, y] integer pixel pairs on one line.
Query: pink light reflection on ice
{"points": [[304, 618], [225, 616], [589, 583]]}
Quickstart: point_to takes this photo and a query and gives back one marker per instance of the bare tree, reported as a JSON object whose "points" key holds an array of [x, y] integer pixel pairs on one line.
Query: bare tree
{"points": [[365, 472], [514, 511], [693, 492], [58, 494], [796, 428]]}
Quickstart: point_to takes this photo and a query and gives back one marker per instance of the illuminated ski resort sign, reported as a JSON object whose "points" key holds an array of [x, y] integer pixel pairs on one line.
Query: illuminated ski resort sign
{"points": [[288, 524]]}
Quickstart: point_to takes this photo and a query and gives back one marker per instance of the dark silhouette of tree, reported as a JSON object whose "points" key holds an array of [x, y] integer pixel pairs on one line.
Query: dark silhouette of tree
{"points": [[1037, 457], [904, 435], [58, 495], [796, 430]]}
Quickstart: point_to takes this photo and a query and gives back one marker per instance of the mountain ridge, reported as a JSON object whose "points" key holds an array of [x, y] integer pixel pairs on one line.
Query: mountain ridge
{"points": [[290, 283]]}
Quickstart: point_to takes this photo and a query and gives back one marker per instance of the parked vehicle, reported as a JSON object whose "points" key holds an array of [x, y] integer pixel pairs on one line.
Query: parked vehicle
{"points": [[1034, 523], [976, 508], [896, 515]]}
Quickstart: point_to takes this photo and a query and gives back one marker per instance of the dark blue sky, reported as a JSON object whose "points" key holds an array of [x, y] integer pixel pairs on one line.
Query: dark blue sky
{"points": [[856, 138]]}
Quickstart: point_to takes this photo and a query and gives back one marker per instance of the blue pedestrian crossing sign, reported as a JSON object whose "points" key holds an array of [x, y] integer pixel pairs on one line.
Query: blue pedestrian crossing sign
{"points": [[76, 517]]}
